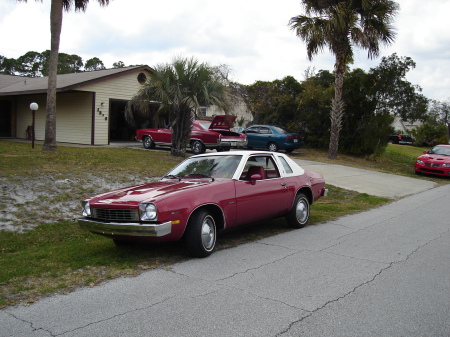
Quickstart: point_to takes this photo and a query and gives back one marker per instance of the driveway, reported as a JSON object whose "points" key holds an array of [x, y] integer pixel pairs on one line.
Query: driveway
{"points": [[367, 181]]}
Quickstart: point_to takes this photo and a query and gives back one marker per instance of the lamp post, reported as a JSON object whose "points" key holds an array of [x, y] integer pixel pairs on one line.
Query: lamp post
{"points": [[33, 107]]}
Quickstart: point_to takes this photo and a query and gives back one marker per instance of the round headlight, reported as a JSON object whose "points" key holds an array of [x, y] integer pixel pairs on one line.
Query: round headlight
{"points": [[421, 162], [148, 211]]}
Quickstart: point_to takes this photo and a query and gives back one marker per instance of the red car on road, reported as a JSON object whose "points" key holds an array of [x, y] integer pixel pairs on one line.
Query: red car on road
{"points": [[435, 161], [204, 135], [204, 194]]}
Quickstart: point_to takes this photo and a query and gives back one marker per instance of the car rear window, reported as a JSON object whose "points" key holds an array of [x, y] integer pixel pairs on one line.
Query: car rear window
{"points": [[281, 129], [285, 164]]}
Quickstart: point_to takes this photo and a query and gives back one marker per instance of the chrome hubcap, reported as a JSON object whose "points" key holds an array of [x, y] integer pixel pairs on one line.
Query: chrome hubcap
{"points": [[301, 211], [208, 233]]}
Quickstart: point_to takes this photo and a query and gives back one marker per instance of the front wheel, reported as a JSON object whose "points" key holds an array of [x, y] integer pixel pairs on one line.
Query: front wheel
{"points": [[299, 213], [273, 147], [198, 147], [148, 143], [201, 234]]}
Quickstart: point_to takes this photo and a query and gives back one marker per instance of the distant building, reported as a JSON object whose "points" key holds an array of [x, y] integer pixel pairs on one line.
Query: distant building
{"points": [[405, 126]]}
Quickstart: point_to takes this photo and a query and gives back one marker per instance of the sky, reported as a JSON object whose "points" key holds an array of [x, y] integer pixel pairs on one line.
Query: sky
{"points": [[251, 37]]}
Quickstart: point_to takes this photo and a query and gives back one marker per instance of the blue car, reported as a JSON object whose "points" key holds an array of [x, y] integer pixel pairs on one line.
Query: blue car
{"points": [[272, 138]]}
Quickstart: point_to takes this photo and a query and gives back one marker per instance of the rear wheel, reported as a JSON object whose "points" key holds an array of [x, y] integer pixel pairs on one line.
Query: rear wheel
{"points": [[299, 213], [272, 147], [197, 147], [201, 234], [148, 143]]}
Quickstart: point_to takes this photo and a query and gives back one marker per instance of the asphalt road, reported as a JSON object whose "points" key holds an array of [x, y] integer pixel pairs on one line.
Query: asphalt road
{"points": [[383, 272]]}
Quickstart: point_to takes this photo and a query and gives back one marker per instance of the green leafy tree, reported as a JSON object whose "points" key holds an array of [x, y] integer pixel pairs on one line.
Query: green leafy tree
{"points": [[67, 64], [393, 93], [7, 65], [313, 112], [340, 25], [181, 88], [428, 134], [439, 114], [365, 130], [30, 64], [118, 64], [94, 64], [56, 16], [273, 102]]}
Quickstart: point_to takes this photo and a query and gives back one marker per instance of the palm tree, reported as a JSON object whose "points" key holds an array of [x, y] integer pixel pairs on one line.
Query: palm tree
{"points": [[180, 89], [56, 16], [340, 25]]}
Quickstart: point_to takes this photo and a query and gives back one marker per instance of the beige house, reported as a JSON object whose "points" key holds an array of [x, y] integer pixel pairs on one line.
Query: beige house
{"points": [[89, 106]]}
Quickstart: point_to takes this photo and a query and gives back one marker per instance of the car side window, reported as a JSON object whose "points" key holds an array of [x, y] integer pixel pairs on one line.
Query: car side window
{"points": [[264, 130], [262, 165], [252, 130]]}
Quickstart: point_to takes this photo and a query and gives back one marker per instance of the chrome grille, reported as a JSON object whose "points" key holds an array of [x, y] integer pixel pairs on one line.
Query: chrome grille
{"points": [[115, 214]]}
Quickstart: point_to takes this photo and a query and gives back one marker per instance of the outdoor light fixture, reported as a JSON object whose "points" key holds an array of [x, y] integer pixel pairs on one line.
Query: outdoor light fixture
{"points": [[33, 106]]}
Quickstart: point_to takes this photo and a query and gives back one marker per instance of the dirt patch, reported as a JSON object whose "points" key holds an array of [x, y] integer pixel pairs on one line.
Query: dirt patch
{"points": [[26, 202]]}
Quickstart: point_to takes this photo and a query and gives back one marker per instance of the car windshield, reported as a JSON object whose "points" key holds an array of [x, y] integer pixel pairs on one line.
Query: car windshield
{"points": [[445, 151], [281, 129], [205, 167], [205, 125]]}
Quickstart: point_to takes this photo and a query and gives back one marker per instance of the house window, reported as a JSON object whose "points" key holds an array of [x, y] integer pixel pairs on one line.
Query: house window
{"points": [[203, 111]]}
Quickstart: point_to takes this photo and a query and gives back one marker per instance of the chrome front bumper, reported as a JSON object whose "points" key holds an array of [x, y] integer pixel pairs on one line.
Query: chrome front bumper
{"points": [[126, 229]]}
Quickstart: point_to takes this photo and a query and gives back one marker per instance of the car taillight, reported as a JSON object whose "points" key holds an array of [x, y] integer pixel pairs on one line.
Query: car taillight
{"points": [[293, 137]]}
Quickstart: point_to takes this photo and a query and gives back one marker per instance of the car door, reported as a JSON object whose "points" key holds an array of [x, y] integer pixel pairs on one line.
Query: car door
{"points": [[252, 133], [264, 136], [162, 136], [264, 198]]}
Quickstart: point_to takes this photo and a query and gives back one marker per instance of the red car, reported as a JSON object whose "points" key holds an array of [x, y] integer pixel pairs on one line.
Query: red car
{"points": [[435, 161], [204, 135], [204, 194]]}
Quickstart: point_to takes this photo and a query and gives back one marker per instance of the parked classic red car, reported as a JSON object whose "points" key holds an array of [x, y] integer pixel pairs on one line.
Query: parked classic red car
{"points": [[204, 135], [204, 194], [435, 161]]}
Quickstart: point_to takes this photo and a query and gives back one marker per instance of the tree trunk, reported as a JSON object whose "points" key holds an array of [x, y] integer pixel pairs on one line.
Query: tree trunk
{"points": [[337, 109], [56, 15], [181, 131]]}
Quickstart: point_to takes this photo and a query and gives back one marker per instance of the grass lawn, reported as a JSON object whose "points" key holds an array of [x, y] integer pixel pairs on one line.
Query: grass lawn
{"points": [[55, 255]]}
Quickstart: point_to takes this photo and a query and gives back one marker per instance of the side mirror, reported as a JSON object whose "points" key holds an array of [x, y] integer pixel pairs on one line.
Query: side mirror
{"points": [[254, 178]]}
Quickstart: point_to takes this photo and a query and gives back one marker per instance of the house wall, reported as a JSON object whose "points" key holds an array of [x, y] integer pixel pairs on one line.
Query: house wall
{"points": [[238, 108], [73, 117], [122, 87]]}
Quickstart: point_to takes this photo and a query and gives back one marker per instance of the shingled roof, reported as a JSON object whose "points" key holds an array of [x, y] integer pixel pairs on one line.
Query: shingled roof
{"points": [[20, 85]]}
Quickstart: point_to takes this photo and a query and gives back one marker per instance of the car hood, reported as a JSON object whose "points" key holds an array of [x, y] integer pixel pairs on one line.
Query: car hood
{"points": [[131, 196], [435, 158], [222, 122]]}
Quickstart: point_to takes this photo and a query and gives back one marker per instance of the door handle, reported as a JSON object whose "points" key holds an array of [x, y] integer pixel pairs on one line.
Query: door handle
{"points": [[283, 184]]}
